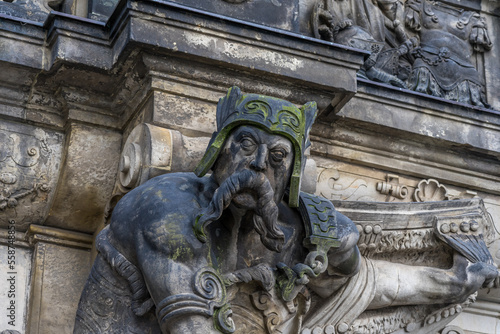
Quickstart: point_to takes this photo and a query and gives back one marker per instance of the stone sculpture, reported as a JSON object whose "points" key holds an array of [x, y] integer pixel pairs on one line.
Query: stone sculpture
{"points": [[448, 37], [243, 250], [423, 46], [377, 27]]}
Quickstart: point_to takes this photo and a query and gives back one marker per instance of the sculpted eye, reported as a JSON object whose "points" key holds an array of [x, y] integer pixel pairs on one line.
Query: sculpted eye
{"points": [[247, 143], [278, 155]]}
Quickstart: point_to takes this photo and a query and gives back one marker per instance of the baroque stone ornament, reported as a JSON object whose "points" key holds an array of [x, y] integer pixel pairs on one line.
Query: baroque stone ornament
{"points": [[425, 46], [29, 166], [448, 38], [391, 187], [243, 251], [430, 190], [377, 27], [333, 186]]}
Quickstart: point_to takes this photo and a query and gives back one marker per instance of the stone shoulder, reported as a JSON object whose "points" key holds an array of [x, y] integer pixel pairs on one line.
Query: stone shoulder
{"points": [[160, 213]]}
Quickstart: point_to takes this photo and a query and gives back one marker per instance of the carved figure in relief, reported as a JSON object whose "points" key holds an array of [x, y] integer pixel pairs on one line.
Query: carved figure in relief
{"points": [[375, 26], [443, 61], [421, 45], [243, 250]]}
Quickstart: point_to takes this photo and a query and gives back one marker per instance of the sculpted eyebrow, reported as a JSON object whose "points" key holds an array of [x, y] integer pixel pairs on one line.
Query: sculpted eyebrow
{"points": [[283, 146], [246, 134]]}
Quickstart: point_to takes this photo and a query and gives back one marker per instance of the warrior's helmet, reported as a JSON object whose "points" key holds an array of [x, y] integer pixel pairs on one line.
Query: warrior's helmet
{"points": [[269, 113]]}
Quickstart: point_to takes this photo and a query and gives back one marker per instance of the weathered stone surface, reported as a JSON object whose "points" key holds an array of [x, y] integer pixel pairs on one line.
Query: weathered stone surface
{"points": [[87, 178], [274, 13], [428, 47], [30, 160], [479, 318], [34, 10], [112, 77], [430, 130], [60, 264]]}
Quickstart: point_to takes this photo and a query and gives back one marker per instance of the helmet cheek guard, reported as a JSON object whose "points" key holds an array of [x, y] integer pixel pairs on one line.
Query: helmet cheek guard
{"points": [[274, 115]]}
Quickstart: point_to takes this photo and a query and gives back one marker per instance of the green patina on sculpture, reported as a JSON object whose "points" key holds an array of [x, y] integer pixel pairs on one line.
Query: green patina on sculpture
{"points": [[269, 113]]}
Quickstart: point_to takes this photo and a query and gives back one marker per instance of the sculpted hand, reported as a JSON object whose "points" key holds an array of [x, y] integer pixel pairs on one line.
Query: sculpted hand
{"points": [[470, 277]]}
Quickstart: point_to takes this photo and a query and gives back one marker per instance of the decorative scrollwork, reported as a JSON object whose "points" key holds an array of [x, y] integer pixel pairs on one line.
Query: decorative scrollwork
{"points": [[263, 301], [32, 151], [9, 200], [223, 320], [286, 117], [258, 107], [392, 187], [209, 285]]}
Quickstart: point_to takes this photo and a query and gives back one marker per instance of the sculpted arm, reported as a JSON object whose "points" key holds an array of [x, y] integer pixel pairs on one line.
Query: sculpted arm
{"points": [[343, 262], [169, 273], [154, 231], [398, 284]]}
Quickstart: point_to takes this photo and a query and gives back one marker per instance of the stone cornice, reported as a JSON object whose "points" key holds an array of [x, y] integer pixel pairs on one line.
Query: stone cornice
{"points": [[57, 52], [37, 233]]}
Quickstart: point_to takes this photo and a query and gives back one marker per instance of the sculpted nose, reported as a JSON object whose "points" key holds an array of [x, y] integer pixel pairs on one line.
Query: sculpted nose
{"points": [[259, 162]]}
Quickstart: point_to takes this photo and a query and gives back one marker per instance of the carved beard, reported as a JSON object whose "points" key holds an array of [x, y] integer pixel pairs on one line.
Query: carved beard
{"points": [[260, 194]]}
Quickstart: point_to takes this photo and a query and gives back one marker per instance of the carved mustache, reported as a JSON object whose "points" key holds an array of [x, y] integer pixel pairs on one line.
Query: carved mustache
{"points": [[265, 211]]}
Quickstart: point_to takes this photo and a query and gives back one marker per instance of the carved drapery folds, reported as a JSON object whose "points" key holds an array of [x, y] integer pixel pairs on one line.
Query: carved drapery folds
{"points": [[424, 46]]}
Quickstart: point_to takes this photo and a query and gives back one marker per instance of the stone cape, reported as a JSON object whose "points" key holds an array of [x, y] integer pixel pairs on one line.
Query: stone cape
{"points": [[116, 298]]}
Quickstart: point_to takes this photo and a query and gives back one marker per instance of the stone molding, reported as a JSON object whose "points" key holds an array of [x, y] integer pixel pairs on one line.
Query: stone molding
{"points": [[136, 27], [47, 234], [60, 261]]}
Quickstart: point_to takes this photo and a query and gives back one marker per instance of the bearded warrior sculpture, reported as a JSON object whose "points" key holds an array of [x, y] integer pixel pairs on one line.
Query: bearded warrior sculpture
{"points": [[243, 250]]}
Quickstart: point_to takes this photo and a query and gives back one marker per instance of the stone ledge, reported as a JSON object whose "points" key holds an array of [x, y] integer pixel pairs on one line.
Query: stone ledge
{"points": [[400, 110], [58, 236], [56, 63]]}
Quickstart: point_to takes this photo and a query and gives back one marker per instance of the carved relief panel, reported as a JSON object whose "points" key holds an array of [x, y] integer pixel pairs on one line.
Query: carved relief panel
{"points": [[421, 45], [29, 164]]}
